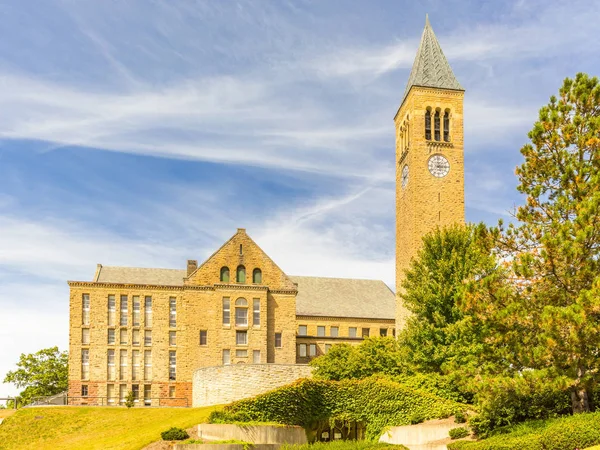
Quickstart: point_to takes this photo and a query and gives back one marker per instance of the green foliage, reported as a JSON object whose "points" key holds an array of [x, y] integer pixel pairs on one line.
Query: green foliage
{"points": [[130, 400], [458, 433], [174, 434], [247, 445], [565, 433], [344, 445], [460, 417], [443, 386], [41, 374], [437, 332], [377, 402], [376, 355], [540, 308]]}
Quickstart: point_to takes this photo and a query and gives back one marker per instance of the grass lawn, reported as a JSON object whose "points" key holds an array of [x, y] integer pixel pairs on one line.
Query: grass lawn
{"points": [[6, 412], [70, 427]]}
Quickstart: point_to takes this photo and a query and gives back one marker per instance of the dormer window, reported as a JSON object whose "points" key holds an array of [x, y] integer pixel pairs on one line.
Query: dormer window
{"points": [[241, 274], [256, 276], [225, 274]]}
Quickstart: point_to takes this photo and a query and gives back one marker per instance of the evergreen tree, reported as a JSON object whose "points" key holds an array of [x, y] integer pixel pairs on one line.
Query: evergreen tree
{"points": [[542, 307]]}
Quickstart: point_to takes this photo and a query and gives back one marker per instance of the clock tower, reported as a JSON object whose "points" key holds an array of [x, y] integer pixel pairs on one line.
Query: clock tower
{"points": [[429, 155]]}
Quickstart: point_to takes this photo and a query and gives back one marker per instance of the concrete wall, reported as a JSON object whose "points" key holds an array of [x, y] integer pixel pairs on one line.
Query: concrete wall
{"points": [[429, 435], [255, 434], [225, 384]]}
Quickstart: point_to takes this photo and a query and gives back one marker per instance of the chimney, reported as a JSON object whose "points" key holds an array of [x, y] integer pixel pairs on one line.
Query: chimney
{"points": [[192, 265]]}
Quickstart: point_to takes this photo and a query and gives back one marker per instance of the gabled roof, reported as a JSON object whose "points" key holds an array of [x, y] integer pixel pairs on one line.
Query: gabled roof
{"points": [[344, 297], [140, 275], [431, 68]]}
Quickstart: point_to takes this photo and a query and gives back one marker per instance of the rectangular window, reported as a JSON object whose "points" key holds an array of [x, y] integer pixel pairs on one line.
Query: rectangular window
{"points": [[147, 365], [123, 365], [147, 337], [352, 332], [241, 338], [111, 336], [123, 336], [313, 350], [241, 317], [110, 394], [320, 330], [111, 364], [226, 311], [302, 350], [85, 364], [111, 310], [203, 337], [256, 312], [122, 393], [135, 337], [256, 356], [327, 347], [135, 388], [302, 330], [85, 309], [241, 353], [85, 336], [172, 312], [172, 391], [84, 390], [172, 338], [365, 332], [334, 331], [278, 340], [135, 367], [123, 311], [226, 357], [148, 311], [136, 310], [148, 395], [383, 332], [172, 365]]}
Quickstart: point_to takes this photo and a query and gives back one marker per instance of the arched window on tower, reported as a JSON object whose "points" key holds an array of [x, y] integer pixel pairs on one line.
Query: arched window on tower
{"points": [[428, 124], [225, 274], [241, 274], [436, 125], [447, 126], [256, 276]]}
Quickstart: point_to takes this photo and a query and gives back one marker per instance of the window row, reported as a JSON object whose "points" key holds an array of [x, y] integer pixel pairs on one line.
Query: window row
{"points": [[124, 310], [310, 350], [112, 398], [439, 128], [241, 312], [240, 275], [334, 331], [241, 353]]}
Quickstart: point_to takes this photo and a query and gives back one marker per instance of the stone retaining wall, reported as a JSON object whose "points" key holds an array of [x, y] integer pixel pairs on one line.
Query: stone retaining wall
{"points": [[255, 434], [225, 384]]}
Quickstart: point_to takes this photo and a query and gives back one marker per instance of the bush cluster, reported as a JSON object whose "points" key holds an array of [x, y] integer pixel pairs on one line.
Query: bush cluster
{"points": [[565, 433], [377, 402], [344, 445], [174, 434], [457, 433]]}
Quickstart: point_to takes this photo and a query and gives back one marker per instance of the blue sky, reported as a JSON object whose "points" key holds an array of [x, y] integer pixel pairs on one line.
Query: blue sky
{"points": [[143, 133]]}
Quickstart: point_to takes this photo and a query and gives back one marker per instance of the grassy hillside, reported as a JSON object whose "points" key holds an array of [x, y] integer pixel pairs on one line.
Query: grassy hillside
{"points": [[93, 427], [6, 412]]}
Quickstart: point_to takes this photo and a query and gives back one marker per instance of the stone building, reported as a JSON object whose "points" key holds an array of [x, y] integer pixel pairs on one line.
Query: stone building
{"points": [[148, 330]]}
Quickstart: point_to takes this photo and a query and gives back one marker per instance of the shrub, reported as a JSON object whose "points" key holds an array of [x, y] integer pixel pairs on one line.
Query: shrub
{"points": [[376, 402], [460, 417], [174, 434], [130, 400], [457, 433]]}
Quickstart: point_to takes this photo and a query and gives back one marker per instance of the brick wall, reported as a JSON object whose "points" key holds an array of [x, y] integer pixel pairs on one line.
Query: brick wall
{"points": [[225, 384]]}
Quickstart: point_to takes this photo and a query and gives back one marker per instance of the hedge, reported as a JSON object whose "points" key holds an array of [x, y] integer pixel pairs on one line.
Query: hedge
{"points": [[377, 402], [565, 433]]}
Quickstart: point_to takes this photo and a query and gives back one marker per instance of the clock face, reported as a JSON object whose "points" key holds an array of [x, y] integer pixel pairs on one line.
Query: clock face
{"points": [[438, 166], [404, 176]]}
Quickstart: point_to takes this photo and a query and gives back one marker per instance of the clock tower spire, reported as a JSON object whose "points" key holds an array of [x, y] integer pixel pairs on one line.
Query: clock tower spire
{"points": [[429, 155]]}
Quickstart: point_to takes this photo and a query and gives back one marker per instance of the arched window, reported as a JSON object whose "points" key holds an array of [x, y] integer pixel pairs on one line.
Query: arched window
{"points": [[241, 312], [436, 125], [256, 276], [428, 124], [225, 274], [447, 126], [241, 274]]}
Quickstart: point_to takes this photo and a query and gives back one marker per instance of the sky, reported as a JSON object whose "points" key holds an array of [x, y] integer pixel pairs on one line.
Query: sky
{"points": [[143, 133]]}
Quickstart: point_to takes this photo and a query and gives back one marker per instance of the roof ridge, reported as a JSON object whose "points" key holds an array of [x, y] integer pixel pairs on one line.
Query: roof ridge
{"points": [[134, 267], [337, 278]]}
